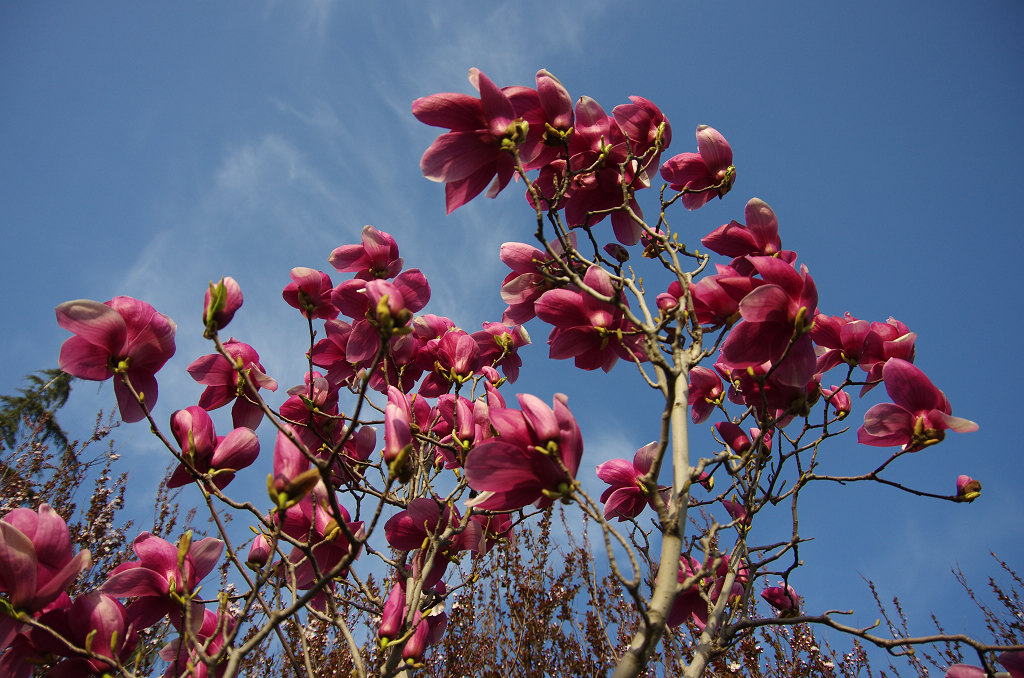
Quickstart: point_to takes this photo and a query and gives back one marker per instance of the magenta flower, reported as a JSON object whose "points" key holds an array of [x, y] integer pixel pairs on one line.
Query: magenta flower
{"points": [[219, 305], [225, 385], [556, 123], [967, 488], [375, 257], [499, 347], [423, 519], [598, 173], [783, 598], [626, 495], [36, 565], [207, 452], [95, 621], [531, 276], [919, 415], [124, 337], [310, 291], [533, 459], [777, 319], [692, 603], [857, 342], [706, 393], [163, 581], [483, 133], [452, 359], [592, 331], [212, 634], [704, 174], [759, 237], [646, 128]]}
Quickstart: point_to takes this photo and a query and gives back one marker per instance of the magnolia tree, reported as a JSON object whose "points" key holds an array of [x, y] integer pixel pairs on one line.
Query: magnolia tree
{"points": [[401, 460]]}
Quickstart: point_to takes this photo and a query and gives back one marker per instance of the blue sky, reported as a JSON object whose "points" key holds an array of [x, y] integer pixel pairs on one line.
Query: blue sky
{"points": [[149, 149]]}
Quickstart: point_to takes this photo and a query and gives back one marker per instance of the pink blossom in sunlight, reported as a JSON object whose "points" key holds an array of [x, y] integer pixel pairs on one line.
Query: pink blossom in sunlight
{"points": [[533, 459], [783, 598], [706, 393], [858, 342], [705, 174], [310, 292], [919, 415], [375, 257], [839, 400], [123, 336], [646, 128], [593, 332], [207, 452], [626, 495], [483, 132], [224, 384], [531, 276], [1013, 662], [162, 581], [499, 347], [36, 565], [777, 319], [96, 621]]}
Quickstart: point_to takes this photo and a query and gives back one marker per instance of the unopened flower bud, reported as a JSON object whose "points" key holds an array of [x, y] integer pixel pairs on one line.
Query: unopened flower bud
{"points": [[839, 399], [221, 302], [783, 598], [967, 488], [259, 553]]}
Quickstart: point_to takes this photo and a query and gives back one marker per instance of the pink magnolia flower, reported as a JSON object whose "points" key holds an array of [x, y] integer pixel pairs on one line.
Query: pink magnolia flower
{"points": [[310, 292], [777, 319], [212, 635], [733, 436], [593, 332], [706, 393], [451, 360], [626, 495], [704, 174], [919, 415], [646, 128], [556, 123], [206, 451], [164, 578], [857, 342], [483, 133], [531, 276], [533, 459], [393, 613], [123, 336], [692, 602], [36, 565], [499, 347], [375, 257], [783, 598], [225, 385], [598, 172], [382, 309], [967, 488], [219, 305], [423, 519], [759, 237], [716, 298], [95, 621]]}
